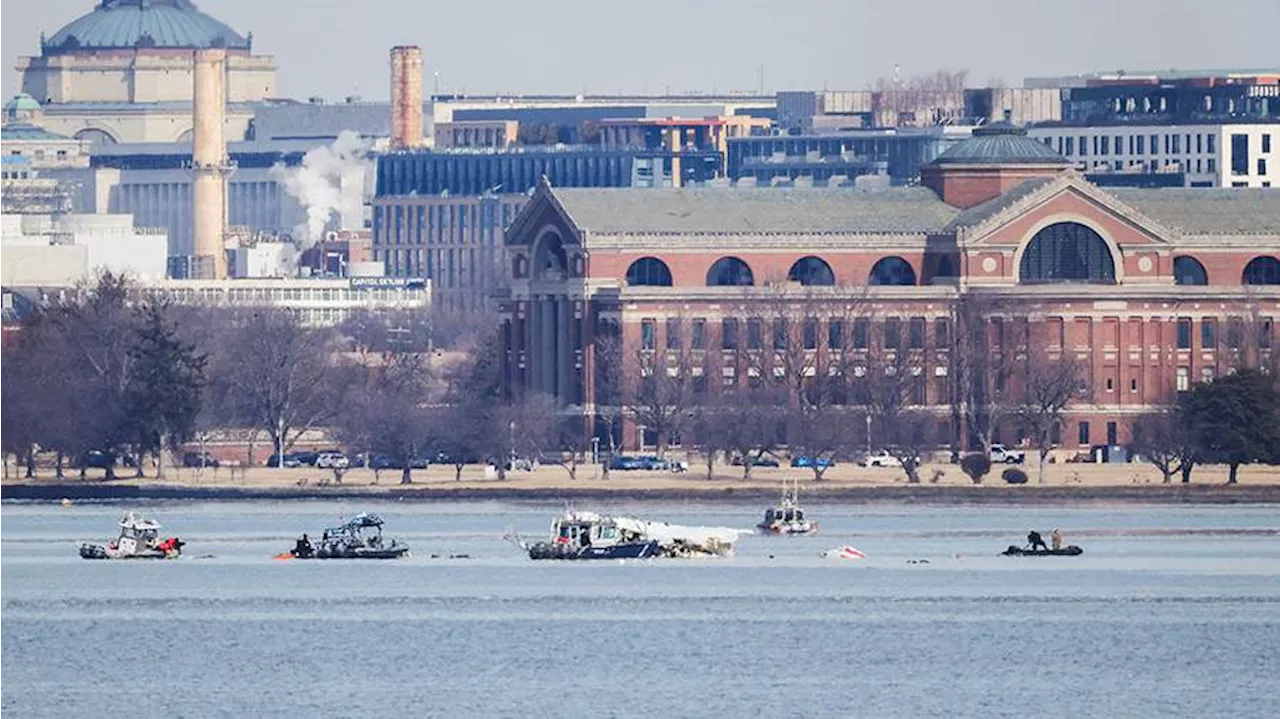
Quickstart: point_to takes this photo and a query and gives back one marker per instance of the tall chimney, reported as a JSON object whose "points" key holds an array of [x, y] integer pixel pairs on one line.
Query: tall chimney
{"points": [[406, 97], [209, 164]]}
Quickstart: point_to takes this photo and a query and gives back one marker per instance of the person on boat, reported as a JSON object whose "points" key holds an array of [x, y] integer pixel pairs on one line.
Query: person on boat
{"points": [[1035, 540], [1055, 537], [303, 547]]}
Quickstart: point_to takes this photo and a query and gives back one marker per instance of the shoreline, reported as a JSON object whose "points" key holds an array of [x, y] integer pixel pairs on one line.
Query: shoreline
{"points": [[513, 492]]}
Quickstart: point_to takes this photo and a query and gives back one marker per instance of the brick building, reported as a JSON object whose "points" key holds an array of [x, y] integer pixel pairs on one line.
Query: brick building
{"points": [[1151, 290]]}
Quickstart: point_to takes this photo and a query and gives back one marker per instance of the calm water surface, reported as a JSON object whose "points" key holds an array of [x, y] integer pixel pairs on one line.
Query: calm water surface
{"points": [[1170, 612]]}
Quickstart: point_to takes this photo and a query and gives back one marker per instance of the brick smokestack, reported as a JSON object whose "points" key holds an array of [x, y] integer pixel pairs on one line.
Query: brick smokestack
{"points": [[406, 97], [209, 164]]}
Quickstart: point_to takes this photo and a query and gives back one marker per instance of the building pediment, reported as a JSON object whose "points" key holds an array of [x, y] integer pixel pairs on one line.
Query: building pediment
{"points": [[543, 213], [1008, 220]]}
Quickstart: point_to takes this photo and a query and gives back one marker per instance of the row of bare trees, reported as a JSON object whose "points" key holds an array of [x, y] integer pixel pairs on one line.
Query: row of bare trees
{"points": [[825, 376]]}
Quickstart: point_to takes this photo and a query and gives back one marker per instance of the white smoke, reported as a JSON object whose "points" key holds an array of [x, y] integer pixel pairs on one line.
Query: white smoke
{"points": [[326, 184]]}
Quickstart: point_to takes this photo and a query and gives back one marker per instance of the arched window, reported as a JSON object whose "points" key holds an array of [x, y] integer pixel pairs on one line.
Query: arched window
{"points": [[1189, 271], [649, 272], [549, 260], [893, 271], [96, 136], [1262, 271], [1067, 252], [812, 271], [730, 272]]}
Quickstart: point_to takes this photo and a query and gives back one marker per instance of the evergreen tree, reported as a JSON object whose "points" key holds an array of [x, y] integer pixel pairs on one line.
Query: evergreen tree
{"points": [[1235, 420], [166, 383]]}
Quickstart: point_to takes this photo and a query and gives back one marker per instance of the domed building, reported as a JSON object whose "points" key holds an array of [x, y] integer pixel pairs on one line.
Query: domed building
{"points": [[123, 72]]}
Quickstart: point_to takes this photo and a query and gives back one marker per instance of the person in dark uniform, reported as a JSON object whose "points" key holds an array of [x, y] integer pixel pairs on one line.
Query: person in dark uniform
{"points": [[303, 547], [1036, 541]]}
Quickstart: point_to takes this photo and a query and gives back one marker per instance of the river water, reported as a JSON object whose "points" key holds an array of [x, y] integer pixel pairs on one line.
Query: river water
{"points": [[1170, 612]]}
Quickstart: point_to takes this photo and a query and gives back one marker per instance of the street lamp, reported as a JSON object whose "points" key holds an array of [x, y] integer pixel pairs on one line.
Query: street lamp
{"points": [[868, 434]]}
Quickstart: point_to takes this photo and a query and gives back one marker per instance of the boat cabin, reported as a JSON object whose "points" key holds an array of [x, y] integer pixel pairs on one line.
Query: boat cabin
{"points": [[784, 513]]}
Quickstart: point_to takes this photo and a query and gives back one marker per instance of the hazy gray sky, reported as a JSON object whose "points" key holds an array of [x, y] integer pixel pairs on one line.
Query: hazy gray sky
{"points": [[334, 48]]}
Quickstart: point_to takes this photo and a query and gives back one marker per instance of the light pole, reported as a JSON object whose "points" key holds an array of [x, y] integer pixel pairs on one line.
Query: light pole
{"points": [[868, 435]]}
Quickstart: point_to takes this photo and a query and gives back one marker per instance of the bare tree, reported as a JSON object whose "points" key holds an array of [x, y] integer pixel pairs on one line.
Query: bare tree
{"points": [[892, 390], [1048, 382], [1165, 440], [387, 410], [983, 363], [283, 376], [608, 359], [657, 392]]}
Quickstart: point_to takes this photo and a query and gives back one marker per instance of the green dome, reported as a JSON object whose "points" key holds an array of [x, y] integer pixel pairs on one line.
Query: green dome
{"points": [[1000, 143], [21, 101], [138, 24]]}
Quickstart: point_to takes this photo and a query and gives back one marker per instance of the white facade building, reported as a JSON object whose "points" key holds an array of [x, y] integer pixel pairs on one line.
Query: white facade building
{"points": [[318, 302], [1238, 155], [58, 250]]}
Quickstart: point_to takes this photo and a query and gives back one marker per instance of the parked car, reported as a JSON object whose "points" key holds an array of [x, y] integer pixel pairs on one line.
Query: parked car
{"points": [[307, 457], [386, 461], [819, 462], [881, 458], [290, 460], [524, 464], [1002, 454], [756, 460], [198, 459], [332, 459], [626, 463], [447, 458], [95, 459]]}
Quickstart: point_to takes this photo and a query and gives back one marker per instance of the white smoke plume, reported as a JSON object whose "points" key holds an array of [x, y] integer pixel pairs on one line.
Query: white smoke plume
{"points": [[325, 184]]}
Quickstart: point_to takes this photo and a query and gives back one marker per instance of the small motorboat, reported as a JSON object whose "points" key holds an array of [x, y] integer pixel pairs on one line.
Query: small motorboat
{"points": [[358, 538], [787, 517], [1016, 551], [139, 539], [587, 535]]}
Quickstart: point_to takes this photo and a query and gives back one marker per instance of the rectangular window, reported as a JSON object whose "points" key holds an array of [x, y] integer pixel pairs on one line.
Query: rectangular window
{"points": [[1211, 164], [861, 328], [1199, 143], [1095, 144], [1177, 145], [1084, 146], [1106, 145], [1111, 386], [729, 334], [915, 333], [1155, 144], [1133, 385], [892, 333], [673, 333], [941, 334], [1262, 165], [1142, 141], [1070, 148], [780, 333], [1265, 332], [1208, 334], [1239, 154], [698, 336], [1084, 433], [647, 332], [1184, 333], [811, 333], [835, 334], [1211, 144], [1131, 143], [1119, 145], [1113, 434], [1266, 142], [754, 341], [1184, 379]]}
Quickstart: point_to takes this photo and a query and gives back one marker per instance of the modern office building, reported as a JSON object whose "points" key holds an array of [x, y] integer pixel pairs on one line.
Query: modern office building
{"points": [[1204, 155], [1151, 289], [839, 157]]}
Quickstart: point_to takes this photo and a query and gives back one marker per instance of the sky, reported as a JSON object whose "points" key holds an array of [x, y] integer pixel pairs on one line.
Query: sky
{"points": [[335, 48]]}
